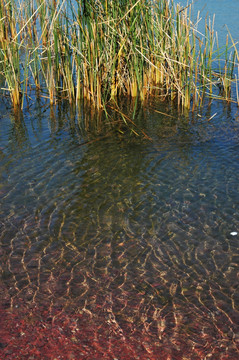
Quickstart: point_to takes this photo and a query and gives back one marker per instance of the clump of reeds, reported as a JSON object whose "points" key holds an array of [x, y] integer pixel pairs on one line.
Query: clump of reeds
{"points": [[9, 51], [98, 51]]}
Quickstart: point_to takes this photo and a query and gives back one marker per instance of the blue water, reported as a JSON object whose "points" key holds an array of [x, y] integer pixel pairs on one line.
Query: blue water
{"points": [[226, 14]]}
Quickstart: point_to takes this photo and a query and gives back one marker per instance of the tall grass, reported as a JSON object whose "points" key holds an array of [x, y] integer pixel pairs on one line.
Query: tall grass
{"points": [[98, 51], [9, 51]]}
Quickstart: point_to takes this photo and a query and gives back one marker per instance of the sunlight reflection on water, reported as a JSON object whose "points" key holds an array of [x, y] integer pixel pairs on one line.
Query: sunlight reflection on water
{"points": [[131, 233]]}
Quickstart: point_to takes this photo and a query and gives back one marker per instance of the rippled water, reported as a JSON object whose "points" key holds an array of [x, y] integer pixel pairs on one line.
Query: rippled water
{"points": [[132, 234]]}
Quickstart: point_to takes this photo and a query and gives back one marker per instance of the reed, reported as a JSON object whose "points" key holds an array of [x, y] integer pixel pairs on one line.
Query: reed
{"points": [[9, 51], [98, 51]]}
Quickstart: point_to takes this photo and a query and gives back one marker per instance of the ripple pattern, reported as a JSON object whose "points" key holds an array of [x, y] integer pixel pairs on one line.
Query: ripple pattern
{"points": [[136, 243]]}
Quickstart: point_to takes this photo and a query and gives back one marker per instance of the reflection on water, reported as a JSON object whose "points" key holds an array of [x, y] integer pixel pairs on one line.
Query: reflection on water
{"points": [[132, 234]]}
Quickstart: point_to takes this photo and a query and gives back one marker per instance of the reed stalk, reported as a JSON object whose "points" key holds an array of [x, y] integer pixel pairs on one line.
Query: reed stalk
{"points": [[9, 51], [99, 51]]}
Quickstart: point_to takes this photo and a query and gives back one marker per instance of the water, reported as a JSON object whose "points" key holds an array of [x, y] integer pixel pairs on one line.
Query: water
{"points": [[226, 16], [129, 234], [118, 247]]}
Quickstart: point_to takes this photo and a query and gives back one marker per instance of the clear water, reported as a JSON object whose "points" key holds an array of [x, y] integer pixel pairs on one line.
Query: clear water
{"points": [[133, 233], [131, 237]]}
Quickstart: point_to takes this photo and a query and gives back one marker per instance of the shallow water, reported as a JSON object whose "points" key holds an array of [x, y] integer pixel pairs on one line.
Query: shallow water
{"points": [[132, 234], [114, 246]]}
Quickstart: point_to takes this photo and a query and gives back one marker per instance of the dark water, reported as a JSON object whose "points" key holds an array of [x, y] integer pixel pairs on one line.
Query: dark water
{"points": [[132, 234]]}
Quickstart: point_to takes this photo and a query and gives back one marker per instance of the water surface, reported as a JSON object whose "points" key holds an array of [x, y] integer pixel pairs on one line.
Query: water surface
{"points": [[132, 234], [115, 246], [225, 12]]}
